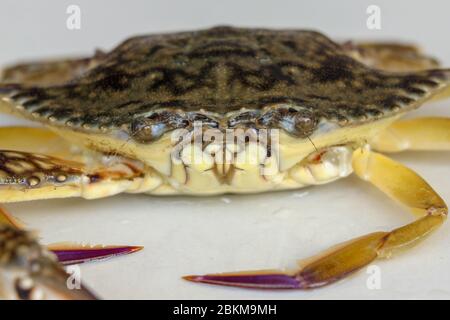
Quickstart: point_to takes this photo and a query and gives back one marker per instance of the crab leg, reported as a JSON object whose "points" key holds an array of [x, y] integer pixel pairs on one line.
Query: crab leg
{"points": [[30, 175], [29, 270], [34, 165], [424, 134], [36, 140], [395, 180], [72, 253], [50, 178], [390, 56], [44, 73]]}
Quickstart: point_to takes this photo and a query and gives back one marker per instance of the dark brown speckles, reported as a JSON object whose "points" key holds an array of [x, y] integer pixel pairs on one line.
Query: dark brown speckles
{"points": [[334, 69], [390, 102], [416, 91], [38, 94], [115, 82], [178, 81], [154, 50], [220, 71], [27, 170], [292, 45], [221, 49]]}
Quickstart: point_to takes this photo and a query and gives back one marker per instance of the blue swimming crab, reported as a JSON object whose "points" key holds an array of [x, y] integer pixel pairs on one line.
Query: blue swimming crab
{"points": [[109, 121]]}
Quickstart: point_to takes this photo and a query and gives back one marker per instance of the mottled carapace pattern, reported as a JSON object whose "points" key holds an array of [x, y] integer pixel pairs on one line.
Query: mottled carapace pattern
{"points": [[232, 76], [25, 170], [28, 170]]}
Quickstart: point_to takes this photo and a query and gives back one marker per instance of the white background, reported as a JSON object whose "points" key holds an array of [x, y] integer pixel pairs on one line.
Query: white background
{"points": [[196, 235]]}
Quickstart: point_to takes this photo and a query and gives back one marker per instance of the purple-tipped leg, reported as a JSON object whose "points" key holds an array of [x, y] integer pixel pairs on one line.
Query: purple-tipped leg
{"points": [[258, 281], [68, 255], [325, 268]]}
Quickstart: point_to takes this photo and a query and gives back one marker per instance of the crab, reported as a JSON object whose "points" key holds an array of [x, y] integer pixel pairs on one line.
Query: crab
{"points": [[154, 115]]}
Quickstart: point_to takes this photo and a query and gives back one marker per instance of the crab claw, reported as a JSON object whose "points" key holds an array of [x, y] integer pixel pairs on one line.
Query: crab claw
{"points": [[271, 279], [69, 254]]}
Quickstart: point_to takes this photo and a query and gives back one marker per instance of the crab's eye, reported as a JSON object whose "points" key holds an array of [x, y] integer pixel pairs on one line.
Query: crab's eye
{"points": [[305, 123], [146, 130]]}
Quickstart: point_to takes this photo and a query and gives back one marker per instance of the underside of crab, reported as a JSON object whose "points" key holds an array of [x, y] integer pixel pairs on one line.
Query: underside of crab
{"points": [[223, 110]]}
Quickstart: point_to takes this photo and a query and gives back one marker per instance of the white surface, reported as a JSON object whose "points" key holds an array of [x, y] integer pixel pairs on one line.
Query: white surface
{"points": [[197, 235]]}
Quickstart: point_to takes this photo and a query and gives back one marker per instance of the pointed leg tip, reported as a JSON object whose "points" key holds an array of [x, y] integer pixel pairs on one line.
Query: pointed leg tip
{"points": [[111, 251], [80, 254], [133, 249], [249, 280], [202, 278], [192, 278]]}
